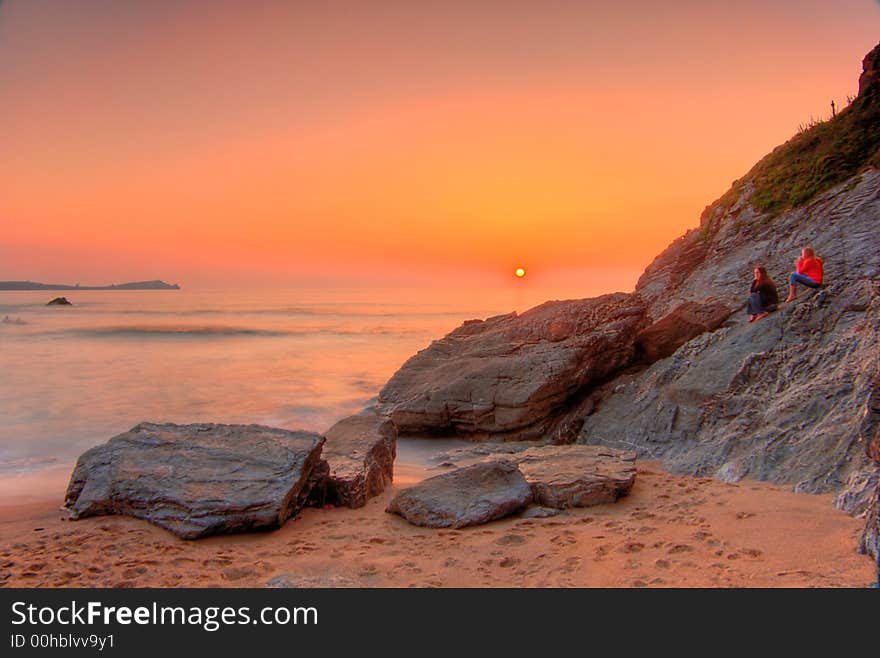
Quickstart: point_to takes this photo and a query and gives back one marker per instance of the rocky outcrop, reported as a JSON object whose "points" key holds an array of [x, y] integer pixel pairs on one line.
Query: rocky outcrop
{"points": [[685, 322], [199, 480], [360, 451], [467, 496], [869, 80], [774, 400], [671, 375], [503, 377], [59, 301], [870, 435]]}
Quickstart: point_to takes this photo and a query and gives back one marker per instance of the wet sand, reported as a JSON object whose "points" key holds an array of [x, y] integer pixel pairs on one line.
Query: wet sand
{"points": [[671, 531]]}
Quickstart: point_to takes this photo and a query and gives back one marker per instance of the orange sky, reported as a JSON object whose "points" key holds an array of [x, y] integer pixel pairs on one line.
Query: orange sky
{"points": [[282, 143]]}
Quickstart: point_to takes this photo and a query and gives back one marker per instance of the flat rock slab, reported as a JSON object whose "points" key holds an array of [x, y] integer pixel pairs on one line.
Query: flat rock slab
{"points": [[560, 476], [577, 475], [360, 450], [467, 496], [199, 480]]}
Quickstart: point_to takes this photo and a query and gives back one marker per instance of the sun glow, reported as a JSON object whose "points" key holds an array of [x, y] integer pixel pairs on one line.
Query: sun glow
{"points": [[519, 272]]}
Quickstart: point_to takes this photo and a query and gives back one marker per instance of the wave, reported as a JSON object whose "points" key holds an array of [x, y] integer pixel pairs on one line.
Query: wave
{"points": [[296, 311], [216, 331], [172, 331]]}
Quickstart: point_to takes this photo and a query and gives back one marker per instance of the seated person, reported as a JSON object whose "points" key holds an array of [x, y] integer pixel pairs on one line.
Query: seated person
{"points": [[763, 298], [808, 272]]}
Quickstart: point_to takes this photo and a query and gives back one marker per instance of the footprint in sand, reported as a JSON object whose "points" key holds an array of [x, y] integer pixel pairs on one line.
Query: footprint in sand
{"points": [[508, 562], [662, 564], [680, 548], [751, 552], [572, 564], [632, 547], [134, 572], [510, 540], [744, 515], [217, 562], [795, 572], [238, 573]]}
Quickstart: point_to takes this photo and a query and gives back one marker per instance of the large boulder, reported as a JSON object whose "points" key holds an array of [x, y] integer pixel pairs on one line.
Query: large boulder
{"points": [[577, 475], [466, 496], [686, 321], [59, 301], [360, 451], [198, 480], [504, 377]]}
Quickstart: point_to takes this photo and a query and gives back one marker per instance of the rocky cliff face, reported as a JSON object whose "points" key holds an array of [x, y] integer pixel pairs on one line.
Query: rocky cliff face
{"points": [[665, 372]]}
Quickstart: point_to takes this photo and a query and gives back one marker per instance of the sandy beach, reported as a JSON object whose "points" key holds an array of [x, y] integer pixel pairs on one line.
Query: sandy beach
{"points": [[671, 531]]}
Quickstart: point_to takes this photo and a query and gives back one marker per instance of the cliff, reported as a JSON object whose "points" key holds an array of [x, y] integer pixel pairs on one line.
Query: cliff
{"points": [[674, 371]]}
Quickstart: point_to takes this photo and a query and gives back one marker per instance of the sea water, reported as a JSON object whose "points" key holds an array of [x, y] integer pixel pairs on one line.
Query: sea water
{"points": [[71, 377]]}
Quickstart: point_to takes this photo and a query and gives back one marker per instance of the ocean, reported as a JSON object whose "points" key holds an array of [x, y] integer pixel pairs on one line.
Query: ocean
{"points": [[71, 377]]}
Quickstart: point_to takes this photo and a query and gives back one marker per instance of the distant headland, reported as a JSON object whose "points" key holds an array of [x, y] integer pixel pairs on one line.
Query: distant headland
{"points": [[136, 285]]}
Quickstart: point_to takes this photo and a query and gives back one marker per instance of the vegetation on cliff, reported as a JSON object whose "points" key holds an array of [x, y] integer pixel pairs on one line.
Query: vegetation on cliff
{"points": [[819, 157]]}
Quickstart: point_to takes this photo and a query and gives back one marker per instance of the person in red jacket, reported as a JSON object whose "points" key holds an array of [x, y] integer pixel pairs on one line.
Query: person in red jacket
{"points": [[808, 272]]}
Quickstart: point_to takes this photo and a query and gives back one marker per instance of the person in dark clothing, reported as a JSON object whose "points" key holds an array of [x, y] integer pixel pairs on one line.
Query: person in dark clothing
{"points": [[763, 298]]}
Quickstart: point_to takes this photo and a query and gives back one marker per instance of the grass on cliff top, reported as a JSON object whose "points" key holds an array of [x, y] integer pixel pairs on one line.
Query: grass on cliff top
{"points": [[814, 160]]}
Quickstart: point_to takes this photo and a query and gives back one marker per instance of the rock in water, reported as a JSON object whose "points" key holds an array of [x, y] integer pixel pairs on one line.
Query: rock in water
{"points": [[504, 376], [577, 475], [59, 301], [199, 480], [466, 496], [686, 321], [360, 450]]}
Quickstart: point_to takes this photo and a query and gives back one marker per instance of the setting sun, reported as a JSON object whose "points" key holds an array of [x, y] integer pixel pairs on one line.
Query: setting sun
{"points": [[520, 272]]}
